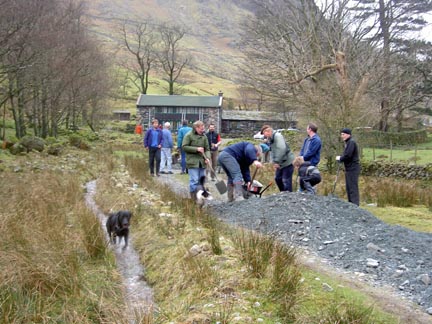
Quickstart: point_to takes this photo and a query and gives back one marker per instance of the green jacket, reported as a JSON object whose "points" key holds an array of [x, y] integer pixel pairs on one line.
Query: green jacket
{"points": [[280, 150], [190, 143]]}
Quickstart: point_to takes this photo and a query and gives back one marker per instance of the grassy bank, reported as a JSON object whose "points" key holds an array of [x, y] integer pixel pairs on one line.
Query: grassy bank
{"points": [[55, 267], [203, 271]]}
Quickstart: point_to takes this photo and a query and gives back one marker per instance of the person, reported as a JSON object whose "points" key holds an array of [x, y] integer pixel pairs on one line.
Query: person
{"points": [[309, 175], [197, 149], [265, 153], [351, 160], [153, 141], [281, 157], [235, 161], [215, 140], [311, 148], [138, 129], [180, 135], [167, 145]]}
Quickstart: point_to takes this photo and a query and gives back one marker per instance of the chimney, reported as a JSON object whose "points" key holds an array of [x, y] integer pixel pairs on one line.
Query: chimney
{"points": [[220, 94]]}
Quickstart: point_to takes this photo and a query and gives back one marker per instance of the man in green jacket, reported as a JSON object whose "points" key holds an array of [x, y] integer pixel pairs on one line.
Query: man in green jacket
{"points": [[196, 146]]}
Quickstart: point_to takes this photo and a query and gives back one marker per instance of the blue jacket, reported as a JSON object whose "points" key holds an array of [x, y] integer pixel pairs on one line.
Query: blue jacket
{"points": [[311, 149], [181, 134], [245, 154], [148, 138]]}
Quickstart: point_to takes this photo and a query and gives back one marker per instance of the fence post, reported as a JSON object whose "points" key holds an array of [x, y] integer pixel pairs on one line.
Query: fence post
{"points": [[391, 150]]}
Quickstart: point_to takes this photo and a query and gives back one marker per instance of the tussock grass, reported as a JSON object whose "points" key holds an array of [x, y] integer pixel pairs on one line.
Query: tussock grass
{"points": [[49, 242], [391, 192], [255, 250], [343, 312]]}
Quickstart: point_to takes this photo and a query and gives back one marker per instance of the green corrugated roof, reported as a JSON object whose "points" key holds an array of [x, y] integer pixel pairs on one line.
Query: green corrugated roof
{"points": [[178, 101]]}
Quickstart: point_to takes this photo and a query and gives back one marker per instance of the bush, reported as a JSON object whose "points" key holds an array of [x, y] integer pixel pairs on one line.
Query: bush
{"points": [[78, 142], [33, 143]]}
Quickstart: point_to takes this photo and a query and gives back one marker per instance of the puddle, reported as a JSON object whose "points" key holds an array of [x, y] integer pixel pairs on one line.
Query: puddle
{"points": [[139, 296]]}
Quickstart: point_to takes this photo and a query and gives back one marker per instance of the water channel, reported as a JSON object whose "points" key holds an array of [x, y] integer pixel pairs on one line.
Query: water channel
{"points": [[138, 295]]}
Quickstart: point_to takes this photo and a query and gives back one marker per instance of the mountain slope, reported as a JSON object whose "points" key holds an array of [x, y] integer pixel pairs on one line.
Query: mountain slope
{"points": [[213, 29]]}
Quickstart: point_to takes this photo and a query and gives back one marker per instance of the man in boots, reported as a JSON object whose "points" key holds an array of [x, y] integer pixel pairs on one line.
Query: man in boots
{"points": [[197, 149], [235, 161]]}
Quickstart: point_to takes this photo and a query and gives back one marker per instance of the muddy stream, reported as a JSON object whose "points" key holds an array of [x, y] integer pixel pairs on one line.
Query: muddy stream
{"points": [[138, 295]]}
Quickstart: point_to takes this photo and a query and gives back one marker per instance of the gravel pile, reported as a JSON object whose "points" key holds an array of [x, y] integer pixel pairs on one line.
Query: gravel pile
{"points": [[349, 237]]}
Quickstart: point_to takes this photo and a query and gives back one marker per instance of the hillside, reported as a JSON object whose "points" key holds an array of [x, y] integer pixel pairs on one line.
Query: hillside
{"points": [[213, 32]]}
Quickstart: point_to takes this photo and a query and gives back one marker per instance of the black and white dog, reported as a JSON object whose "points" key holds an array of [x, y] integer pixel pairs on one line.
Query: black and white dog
{"points": [[202, 193], [118, 225]]}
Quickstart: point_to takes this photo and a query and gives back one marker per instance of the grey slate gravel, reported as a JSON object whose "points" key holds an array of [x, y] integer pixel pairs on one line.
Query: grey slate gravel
{"points": [[349, 237]]}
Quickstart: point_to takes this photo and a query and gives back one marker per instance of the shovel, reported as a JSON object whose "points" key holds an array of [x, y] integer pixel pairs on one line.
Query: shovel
{"points": [[220, 184]]}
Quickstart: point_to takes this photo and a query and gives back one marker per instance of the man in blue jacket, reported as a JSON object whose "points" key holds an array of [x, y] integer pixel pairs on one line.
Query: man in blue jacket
{"points": [[180, 135], [311, 149], [153, 141]]}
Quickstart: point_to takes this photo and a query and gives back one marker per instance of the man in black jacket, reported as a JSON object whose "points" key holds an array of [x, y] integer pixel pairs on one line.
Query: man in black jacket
{"points": [[351, 160]]}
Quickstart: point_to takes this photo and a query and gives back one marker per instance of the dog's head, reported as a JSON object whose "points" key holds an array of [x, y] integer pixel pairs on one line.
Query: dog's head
{"points": [[202, 196], [202, 192], [124, 217]]}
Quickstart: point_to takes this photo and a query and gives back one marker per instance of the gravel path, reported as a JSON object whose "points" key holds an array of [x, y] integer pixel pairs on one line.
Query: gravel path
{"points": [[348, 238]]}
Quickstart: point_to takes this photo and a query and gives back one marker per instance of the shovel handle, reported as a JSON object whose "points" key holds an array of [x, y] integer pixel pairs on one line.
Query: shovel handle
{"points": [[210, 166], [253, 178]]}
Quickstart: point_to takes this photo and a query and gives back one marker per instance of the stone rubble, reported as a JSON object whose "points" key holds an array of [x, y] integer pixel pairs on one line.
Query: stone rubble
{"points": [[349, 237]]}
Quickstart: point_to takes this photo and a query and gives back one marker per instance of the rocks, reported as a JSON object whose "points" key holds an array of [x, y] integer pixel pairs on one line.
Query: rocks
{"points": [[347, 236]]}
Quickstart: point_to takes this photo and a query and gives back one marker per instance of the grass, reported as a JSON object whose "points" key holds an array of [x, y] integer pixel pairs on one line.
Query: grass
{"points": [[417, 218], [236, 276], [248, 269], [54, 266], [419, 156]]}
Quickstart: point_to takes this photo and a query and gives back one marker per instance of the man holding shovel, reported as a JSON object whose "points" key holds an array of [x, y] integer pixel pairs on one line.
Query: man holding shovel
{"points": [[235, 161], [197, 149]]}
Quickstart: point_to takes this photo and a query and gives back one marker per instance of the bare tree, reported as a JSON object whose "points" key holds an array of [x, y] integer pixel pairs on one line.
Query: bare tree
{"points": [[299, 55], [47, 64], [139, 40], [386, 25], [171, 56]]}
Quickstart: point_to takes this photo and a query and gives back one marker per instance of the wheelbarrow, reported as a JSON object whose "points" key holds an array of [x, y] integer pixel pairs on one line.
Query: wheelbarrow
{"points": [[257, 189]]}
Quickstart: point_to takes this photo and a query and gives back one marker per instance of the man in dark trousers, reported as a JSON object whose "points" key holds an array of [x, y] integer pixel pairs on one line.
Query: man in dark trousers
{"points": [[180, 135], [214, 140], [153, 142], [350, 158]]}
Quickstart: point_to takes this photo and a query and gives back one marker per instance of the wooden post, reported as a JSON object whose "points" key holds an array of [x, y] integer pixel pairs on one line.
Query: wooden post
{"points": [[391, 150]]}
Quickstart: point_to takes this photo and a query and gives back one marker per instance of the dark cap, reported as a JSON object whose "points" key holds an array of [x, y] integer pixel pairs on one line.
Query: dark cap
{"points": [[346, 131]]}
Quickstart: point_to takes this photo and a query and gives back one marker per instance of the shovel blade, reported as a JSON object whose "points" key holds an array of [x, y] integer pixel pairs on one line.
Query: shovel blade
{"points": [[221, 187]]}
